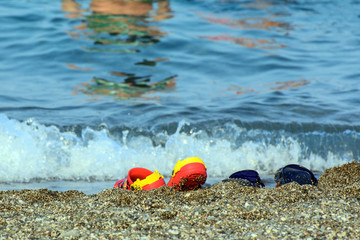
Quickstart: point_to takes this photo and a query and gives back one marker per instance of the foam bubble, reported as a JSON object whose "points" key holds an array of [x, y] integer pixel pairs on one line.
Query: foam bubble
{"points": [[32, 151]]}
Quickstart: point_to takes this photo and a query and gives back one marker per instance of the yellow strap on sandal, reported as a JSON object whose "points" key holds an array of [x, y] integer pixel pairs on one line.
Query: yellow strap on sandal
{"points": [[139, 184], [184, 162]]}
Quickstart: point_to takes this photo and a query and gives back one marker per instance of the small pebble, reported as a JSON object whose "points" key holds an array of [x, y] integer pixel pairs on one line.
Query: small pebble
{"points": [[225, 210]]}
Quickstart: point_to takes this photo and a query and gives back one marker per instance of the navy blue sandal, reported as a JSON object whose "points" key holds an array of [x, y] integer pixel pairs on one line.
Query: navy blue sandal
{"points": [[247, 178], [294, 173]]}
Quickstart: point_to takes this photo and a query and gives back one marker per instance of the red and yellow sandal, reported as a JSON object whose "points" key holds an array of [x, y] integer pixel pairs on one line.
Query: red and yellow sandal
{"points": [[141, 179], [188, 174]]}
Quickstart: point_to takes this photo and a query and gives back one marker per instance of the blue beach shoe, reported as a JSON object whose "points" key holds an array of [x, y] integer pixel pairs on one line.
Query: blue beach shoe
{"points": [[294, 173], [246, 178]]}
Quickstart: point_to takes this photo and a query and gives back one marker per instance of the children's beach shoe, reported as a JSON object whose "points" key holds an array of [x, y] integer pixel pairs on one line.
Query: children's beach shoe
{"points": [[188, 174], [141, 179]]}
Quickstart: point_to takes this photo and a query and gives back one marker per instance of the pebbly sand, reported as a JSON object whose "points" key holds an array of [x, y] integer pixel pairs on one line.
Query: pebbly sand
{"points": [[222, 211]]}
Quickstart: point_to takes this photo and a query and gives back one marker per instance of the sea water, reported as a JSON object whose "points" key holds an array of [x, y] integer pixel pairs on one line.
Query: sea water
{"points": [[253, 85]]}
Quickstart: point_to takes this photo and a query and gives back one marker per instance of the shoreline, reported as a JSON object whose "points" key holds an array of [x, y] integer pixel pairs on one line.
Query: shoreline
{"points": [[228, 210], [90, 188], [95, 187]]}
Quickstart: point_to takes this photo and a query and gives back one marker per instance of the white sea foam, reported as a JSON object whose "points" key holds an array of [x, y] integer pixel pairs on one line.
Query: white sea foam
{"points": [[32, 151]]}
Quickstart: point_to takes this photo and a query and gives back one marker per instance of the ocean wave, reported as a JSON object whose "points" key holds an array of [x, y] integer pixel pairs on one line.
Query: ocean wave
{"points": [[32, 151]]}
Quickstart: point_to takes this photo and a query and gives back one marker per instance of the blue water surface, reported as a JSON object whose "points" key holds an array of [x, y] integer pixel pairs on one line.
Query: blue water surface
{"points": [[263, 83]]}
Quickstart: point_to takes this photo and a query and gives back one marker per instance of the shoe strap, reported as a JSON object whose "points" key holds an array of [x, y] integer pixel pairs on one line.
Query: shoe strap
{"points": [[123, 184], [182, 163], [139, 184]]}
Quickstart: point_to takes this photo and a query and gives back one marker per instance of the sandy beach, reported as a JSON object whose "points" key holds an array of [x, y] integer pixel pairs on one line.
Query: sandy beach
{"points": [[226, 210]]}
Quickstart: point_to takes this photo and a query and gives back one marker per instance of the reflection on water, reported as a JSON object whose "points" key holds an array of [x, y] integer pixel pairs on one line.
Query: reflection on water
{"points": [[133, 87], [119, 22], [123, 30], [73, 66], [120, 26], [72, 8], [254, 23], [276, 86], [260, 23], [151, 62], [246, 41]]}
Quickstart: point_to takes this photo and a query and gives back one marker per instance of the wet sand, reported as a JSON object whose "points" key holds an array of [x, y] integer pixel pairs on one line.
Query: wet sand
{"points": [[223, 211]]}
